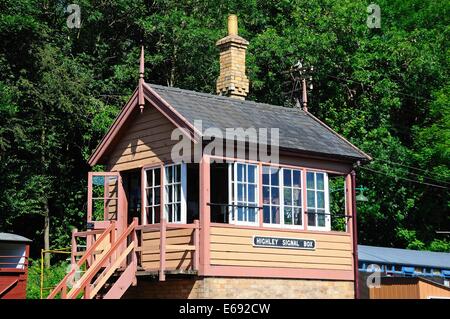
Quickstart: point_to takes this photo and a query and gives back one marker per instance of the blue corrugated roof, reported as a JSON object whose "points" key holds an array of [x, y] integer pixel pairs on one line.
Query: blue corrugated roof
{"points": [[384, 255]]}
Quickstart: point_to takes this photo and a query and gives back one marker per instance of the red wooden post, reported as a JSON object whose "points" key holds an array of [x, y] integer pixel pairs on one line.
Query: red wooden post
{"points": [[134, 252], [143, 197], [205, 214], [74, 249], [196, 259], [112, 240], [105, 196], [89, 203], [348, 203], [64, 291], [354, 234], [162, 250], [87, 291]]}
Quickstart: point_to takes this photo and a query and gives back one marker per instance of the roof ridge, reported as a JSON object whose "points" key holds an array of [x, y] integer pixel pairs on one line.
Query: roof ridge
{"points": [[225, 98]]}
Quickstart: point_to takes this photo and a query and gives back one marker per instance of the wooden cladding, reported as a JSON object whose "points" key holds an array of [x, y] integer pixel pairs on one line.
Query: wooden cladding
{"points": [[146, 140], [232, 246], [176, 259]]}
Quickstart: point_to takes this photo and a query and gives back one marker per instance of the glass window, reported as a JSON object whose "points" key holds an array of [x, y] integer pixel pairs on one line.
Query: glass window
{"points": [[152, 195], [282, 196], [271, 195], [317, 200], [292, 194], [244, 192], [174, 199]]}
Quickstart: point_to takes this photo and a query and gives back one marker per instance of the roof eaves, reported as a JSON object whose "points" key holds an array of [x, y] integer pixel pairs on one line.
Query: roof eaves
{"points": [[365, 157]]}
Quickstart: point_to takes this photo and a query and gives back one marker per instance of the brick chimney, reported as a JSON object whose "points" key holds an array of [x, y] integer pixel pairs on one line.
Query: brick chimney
{"points": [[232, 80]]}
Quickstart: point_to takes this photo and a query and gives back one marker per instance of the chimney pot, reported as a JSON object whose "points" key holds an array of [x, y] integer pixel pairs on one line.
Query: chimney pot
{"points": [[232, 25], [232, 80]]}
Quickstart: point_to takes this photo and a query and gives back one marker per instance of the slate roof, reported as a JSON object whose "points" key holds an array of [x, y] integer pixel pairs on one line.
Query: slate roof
{"points": [[13, 237], [384, 255], [298, 130]]}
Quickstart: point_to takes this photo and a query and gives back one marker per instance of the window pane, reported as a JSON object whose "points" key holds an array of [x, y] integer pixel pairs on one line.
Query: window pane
{"points": [[311, 199], [178, 193], [241, 190], [320, 199], [252, 214], [266, 175], [178, 212], [251, 193], [321, 218], [266, 214], [177, 173], [149, 174], [157, 180], [275, 215], [275, 195], [157, 214], [149, 213], [240, 172], [310, 180], [296, 177], [297, 216], [157, 195], [311, 218], [288, 216], [149, 197], [169, 213], [287, 177], [297, 197], [274, 176], [266, 195], [251, 174], [287, 196], [169, 174], [320, 181], [241, 212], [169, 191]]}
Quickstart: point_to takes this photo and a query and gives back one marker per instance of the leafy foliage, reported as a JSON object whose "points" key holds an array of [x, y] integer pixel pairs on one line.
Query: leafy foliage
{"points": [[386, 90]]}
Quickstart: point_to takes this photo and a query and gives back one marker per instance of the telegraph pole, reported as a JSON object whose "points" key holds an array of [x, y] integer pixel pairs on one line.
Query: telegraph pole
{"points": [[300, 80]]}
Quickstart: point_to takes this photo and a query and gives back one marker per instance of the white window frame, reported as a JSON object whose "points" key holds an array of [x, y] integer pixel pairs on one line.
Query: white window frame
{"points": [[182, 200], [233, 193], [293, 226], [270, 185], [152, 187], [281, 187], [327, 226]]}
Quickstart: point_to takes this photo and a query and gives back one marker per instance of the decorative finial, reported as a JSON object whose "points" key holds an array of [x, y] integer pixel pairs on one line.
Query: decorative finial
{"points": [[141, 81]]}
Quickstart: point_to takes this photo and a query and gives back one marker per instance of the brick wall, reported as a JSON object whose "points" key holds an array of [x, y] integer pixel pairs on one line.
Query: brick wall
{"points": [[226, 288]]}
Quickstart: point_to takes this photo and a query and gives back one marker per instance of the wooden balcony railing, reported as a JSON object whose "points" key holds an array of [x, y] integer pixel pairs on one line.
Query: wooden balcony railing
{"points": [[164, 247]]}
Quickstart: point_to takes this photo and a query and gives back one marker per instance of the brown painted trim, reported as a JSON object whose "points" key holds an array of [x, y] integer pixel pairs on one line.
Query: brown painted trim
{"points": [[280, 229], [322, 274], [354, 232], [156, 101]]}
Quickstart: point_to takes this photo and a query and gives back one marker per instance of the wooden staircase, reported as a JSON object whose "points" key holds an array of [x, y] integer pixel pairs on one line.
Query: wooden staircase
{"points": [[110, 264]]}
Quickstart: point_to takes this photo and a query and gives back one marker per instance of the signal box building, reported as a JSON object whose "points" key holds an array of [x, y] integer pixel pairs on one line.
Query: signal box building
{"points": [[217, 226]]}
